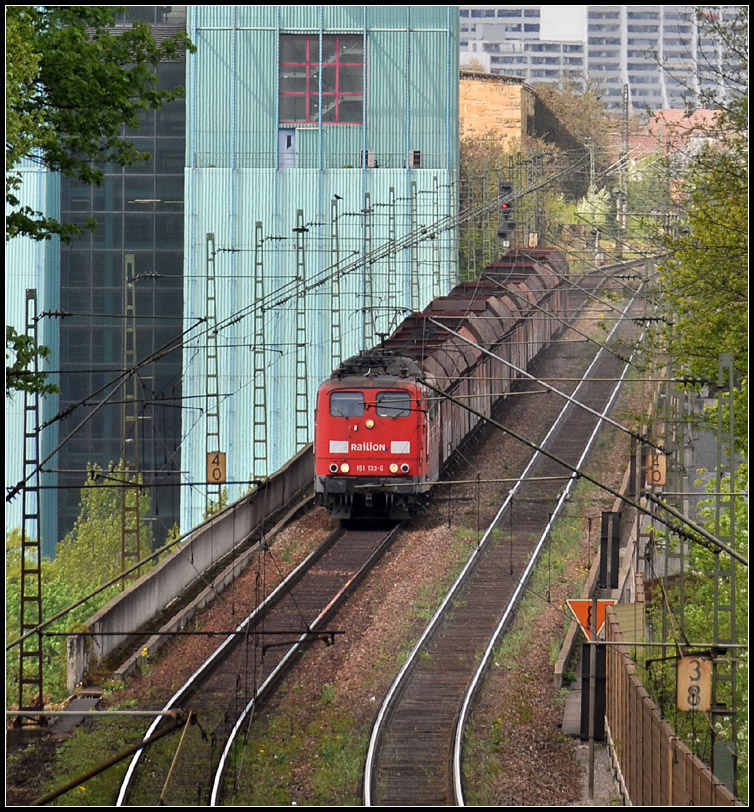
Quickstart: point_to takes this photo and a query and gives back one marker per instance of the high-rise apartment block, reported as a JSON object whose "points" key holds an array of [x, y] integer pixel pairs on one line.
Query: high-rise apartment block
{"points": [[661, 53]]}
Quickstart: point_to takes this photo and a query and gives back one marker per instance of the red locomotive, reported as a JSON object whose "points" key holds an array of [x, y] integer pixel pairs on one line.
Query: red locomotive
{"points": [[382, 435], [372, 444]]}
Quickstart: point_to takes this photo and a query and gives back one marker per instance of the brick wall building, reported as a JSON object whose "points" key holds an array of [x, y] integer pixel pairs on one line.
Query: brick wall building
{"points": [[503, 104]]}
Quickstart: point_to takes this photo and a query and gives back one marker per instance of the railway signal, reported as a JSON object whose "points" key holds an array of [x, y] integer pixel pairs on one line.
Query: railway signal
{"points": [[506, 226]]}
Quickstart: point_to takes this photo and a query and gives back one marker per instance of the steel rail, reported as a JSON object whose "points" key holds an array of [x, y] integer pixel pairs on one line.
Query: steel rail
{"points": [[326, 613], [505, 618], [400, 680], [205, 669]]}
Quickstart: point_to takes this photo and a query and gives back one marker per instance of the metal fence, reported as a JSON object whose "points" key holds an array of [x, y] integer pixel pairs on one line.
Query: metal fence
{"points": [[654, 767]]}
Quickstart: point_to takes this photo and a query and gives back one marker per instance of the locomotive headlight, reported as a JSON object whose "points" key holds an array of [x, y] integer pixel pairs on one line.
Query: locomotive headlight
{"points": [[333, 467], [369, 423], [404, 468], [394, 468], [344, 468]]}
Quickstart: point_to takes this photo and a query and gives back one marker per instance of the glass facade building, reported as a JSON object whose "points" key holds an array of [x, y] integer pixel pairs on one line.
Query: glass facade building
{"points": [[139, 212]]}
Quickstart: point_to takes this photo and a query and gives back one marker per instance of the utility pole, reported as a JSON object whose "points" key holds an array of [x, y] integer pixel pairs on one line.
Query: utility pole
{"points": [[302, 383], [30, 695], [336, 347], [623, 183], [215, 471], [260, 372], [130, 493], [724, 671]]}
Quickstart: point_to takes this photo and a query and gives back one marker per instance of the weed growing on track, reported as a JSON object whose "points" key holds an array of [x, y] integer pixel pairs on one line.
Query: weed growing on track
{"points": [[92, 744], [321, 736]]}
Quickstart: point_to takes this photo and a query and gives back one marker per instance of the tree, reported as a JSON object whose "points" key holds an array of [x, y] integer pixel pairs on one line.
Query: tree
{"points": [[90, 555], [71, 86], [706, 585], [574, 119], [597, 209], [704, 281], [20, 351], [94, 544]]}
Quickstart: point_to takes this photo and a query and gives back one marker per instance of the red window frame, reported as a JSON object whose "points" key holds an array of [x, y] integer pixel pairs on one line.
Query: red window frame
{"points": [[313, 67]]}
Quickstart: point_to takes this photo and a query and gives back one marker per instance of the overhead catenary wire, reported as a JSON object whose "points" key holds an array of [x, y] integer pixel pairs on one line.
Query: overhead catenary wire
{"points": [[687, 528], [290, 290], [549, 387]]}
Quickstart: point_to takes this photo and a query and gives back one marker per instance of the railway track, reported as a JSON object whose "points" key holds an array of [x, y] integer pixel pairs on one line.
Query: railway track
{"points": [[414, 755], [223, 693]]}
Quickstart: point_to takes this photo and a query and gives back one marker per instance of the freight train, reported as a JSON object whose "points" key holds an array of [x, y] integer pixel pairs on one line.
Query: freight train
{"points": [[383, 434]]}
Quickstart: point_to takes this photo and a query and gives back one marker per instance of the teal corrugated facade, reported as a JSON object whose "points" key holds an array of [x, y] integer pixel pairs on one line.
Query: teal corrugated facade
{"points": [[31, 264], [357, 189]]}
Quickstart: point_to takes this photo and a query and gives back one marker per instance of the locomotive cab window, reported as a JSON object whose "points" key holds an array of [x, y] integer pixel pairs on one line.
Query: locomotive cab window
{"points": [[393, 404], [346, 404]]}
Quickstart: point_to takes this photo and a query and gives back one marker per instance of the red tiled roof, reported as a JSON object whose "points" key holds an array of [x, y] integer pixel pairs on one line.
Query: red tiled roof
{"points": [[670, 129]]}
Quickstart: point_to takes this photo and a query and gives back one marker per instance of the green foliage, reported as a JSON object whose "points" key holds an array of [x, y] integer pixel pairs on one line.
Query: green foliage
{"points": [[569, 120], [485, 161], [573, 119], [217, 507], [482, 164], [648, 198], [87, 747], [703, 560], [577, 116], [89, 556], [702, 588], [20, 351], [328, 693], [71, 87], [94, 544], [597, 208], [334, 744], [704, 281], [21, 71]]}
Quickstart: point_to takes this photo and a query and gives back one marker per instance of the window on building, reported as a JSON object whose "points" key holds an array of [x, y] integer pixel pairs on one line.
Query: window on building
{"points": [[335, 76]]}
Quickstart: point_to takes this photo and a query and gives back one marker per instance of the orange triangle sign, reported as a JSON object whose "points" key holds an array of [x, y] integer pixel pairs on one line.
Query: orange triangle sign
{"points": [[582, 611]]}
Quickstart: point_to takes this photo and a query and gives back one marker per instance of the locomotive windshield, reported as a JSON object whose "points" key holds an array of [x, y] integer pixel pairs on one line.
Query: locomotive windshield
{"points": [[393, 404], [346, 404]]}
